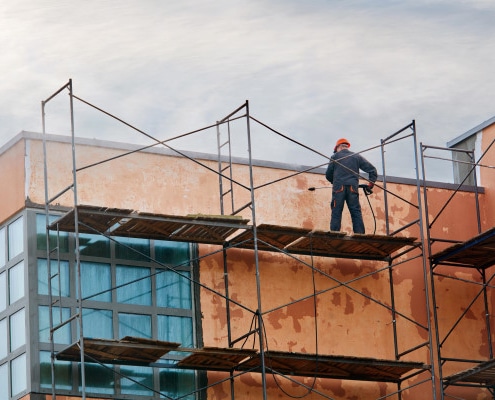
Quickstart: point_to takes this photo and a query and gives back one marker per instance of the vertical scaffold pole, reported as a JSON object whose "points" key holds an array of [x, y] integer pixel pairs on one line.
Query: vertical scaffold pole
{"points": [[256, 258]]}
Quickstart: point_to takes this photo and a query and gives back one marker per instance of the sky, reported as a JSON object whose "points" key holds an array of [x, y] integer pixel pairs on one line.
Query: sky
{"points": [[313, 70]]}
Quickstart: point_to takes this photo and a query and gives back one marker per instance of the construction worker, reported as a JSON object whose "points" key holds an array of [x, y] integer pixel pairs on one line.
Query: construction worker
{"points": [[343, 173]]}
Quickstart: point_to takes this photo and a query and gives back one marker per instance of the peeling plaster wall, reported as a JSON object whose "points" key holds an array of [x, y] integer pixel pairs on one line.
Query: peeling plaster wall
{"points": [[341, 321], [12, 180]]}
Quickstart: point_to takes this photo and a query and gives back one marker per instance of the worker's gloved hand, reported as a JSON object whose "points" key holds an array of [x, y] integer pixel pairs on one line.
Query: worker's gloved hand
{"points": [[371, 185], [368, 189]]}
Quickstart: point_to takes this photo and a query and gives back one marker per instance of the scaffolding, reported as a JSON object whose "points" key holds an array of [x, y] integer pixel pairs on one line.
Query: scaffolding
{"points": [[231, 230], [467, 263]]}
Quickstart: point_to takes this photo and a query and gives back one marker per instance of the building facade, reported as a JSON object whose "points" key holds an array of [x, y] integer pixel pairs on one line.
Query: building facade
{"points": [[207, 297]]}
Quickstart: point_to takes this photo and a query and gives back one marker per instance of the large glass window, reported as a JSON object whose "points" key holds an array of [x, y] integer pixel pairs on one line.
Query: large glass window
{"points": [[124, 293], [3, 252], [62, 242], [175, 329], [97, 323], [3, 291], [18, 374], [62, 334], [16, 282], [172, 253], [133, 285], [141, 381], [17, 330], [134, 325], [3, 338], [96, 281], [94, 245], [173, 289], [4, 381], [63, 372], [132, 249], [99, 378], [176, 383], [60, 280], [16, 238]]}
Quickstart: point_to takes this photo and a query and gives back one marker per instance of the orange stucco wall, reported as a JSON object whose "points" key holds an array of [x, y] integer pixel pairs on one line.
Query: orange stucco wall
{"points": [[341, 321], [12, 181]]}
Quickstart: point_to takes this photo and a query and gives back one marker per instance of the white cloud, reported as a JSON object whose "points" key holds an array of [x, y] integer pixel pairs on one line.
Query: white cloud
{"points": [[314, 70]]}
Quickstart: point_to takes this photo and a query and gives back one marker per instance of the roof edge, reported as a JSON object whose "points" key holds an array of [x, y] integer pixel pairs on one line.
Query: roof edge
{"points": [[471, 132]]}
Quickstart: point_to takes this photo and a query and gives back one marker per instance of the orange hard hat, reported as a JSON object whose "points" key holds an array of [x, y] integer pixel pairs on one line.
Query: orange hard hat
{"points": [[341, 141]]}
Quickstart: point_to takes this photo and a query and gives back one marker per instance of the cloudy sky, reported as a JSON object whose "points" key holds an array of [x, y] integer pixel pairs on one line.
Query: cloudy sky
{"points": [[313, 70]]}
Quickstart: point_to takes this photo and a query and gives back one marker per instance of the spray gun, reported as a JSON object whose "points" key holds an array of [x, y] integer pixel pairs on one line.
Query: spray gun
{"points": [[366, 189]]}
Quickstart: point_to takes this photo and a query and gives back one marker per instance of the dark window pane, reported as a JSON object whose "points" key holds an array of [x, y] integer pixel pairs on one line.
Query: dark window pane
{"points": [[176, 383], [41, 234], [132, 249], [63, 373], [99, 378], [94, 245], [141, 383], [171, 253]]}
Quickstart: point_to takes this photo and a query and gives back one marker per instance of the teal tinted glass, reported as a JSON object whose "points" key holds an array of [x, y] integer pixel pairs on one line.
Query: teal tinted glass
{"points": [[173, 289], [141, 382], [16, 237], [100, 379], [133, 285], [3, 247], [94, 245], [60, 277], [135, 325], [96, 281], [63, 237], [175, 329], [171, 253], [62, 334], [177, 383], [132, 249], [97, 323], [63, 373]]}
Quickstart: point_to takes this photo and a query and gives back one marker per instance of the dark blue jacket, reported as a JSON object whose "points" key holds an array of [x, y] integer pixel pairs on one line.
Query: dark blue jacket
{"points": [[344, 167]]}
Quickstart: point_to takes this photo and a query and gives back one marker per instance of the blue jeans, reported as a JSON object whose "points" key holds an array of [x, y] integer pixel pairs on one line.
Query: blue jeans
{"points": [[350, 195]]}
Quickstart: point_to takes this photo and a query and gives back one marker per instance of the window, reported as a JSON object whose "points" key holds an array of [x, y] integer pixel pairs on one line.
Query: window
{"points": [[96, 281], [18, 373], [60, 281], [4, 381], [3, 338], [140, 383], [3, 291], [63, 372], [125, 293], [97, 323], [132, 249], [16, 282], [173, 289], [17, 330], [133, 285], [62, 334], [175, 329], [63, 237], [16, 238], [134, 325], [3, 252]]}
